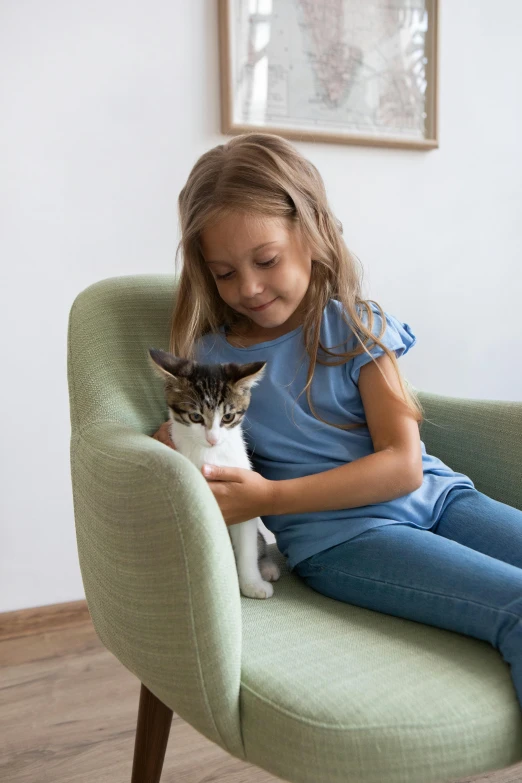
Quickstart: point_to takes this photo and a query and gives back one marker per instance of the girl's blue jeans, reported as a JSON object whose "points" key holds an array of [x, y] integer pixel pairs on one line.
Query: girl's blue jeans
{"points": [[464, 575]]}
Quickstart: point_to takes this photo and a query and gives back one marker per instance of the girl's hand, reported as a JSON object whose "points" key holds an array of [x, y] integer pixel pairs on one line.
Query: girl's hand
{"points": [[241, 494], [163, 435]]}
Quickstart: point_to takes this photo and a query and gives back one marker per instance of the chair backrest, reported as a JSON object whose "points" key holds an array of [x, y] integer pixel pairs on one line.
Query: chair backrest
{"points": [[118, 320], [122, 317], [480, 438]]}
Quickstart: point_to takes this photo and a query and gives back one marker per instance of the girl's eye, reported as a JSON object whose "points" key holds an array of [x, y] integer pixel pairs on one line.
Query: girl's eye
{"points": [[228, 417], [195, 417], [264, 265]]}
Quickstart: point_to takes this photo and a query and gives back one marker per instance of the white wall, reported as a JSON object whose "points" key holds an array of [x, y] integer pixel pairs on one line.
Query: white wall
{"points": [[104, 108]]}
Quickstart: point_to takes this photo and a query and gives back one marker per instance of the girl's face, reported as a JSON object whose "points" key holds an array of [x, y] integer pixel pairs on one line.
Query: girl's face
{"points": [[256, 261]]}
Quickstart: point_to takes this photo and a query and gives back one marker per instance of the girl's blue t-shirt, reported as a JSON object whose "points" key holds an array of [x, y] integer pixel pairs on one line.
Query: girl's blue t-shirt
{"points": [[286, 441]]}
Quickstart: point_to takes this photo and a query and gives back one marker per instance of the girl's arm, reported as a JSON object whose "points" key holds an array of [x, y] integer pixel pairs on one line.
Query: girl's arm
{"points": [[395, 469]]}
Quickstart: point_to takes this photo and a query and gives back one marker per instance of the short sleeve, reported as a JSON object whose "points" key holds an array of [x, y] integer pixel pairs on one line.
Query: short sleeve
{"points": [[397, 337]]}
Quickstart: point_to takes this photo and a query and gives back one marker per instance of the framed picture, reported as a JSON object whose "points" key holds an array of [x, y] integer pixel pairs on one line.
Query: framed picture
{"points": [[341, 71]]}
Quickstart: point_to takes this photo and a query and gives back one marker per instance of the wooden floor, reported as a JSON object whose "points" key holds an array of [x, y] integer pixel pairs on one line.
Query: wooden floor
{"points": [[69, 712]]}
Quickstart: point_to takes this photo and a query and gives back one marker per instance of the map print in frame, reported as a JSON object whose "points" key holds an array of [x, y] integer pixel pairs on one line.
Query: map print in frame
{"points": [[343, 71]]}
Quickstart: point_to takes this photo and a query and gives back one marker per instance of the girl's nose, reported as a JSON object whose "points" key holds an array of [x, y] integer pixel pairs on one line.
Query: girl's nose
{"points": [[250, 288]]}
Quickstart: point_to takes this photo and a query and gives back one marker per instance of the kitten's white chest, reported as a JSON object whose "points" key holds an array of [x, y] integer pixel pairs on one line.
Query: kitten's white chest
{"points": [[230, 453]]}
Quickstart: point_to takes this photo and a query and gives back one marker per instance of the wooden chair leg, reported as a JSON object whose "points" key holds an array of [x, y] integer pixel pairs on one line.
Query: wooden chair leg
{"points": [[152, 734]]}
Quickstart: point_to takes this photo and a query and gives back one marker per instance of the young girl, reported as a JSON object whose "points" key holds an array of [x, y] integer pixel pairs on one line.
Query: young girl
{"points": [[342, 479]]}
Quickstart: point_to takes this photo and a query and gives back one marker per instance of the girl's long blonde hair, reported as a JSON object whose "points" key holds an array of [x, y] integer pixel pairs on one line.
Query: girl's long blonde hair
{"points": [[264, 175]]}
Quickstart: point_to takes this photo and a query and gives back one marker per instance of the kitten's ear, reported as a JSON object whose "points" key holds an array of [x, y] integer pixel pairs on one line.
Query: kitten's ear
{"points": [[166, 365], [245, 376]]}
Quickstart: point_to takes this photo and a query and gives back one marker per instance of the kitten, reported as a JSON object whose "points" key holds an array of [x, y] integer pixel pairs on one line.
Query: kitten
{"points": [[207, 403]]}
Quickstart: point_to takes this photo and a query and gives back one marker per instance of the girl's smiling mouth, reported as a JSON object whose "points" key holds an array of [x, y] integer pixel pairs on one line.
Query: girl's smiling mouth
{"points": [[262, 307]]}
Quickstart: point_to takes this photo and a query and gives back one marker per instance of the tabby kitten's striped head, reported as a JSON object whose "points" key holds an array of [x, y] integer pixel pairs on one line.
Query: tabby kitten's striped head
{"points": [[211, 399]]}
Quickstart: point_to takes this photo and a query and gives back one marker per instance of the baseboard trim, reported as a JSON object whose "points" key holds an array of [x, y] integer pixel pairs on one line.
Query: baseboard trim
{"points": [[41, 619]]}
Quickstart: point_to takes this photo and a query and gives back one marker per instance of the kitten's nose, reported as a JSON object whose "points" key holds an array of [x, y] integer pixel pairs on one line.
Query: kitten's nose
{"points": [[212, 439]]}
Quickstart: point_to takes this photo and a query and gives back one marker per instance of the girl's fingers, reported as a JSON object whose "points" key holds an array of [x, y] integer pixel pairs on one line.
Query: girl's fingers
{"points": [[165, 431], [163, 435]]}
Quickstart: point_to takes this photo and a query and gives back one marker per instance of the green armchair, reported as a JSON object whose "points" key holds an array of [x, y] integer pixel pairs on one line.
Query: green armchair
{"points": [[311, 689]]}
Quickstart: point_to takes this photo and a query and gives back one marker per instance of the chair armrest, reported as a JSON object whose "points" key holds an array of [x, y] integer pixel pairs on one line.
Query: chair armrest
{"points": [[159, 574], [480, 438]]}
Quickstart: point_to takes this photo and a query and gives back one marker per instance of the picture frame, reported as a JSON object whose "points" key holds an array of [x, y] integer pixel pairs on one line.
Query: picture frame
{"points": [[337, 71]]}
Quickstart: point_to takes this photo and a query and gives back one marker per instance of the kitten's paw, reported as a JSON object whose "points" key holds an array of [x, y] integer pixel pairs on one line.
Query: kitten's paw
{"points": [[269, 570], [256, 589]]}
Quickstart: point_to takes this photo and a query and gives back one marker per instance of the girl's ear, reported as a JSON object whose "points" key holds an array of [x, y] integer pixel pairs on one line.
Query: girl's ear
{"points": [[166, 365], [245, 376]]}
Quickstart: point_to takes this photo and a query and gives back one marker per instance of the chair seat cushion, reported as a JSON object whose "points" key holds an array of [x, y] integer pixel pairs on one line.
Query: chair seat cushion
{"points": [[332, 693]]}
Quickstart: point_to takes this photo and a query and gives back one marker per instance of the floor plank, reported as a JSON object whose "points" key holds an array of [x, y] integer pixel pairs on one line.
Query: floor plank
{"points": [[69, 716]]}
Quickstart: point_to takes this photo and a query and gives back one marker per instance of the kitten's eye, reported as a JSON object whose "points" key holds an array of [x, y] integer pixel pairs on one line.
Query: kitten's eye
{"points": [[228, 417], [195, 417]]}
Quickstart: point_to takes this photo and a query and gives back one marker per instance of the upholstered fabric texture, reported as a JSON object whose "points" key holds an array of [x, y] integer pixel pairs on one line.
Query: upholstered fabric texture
{"points": [[311, 689]]}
